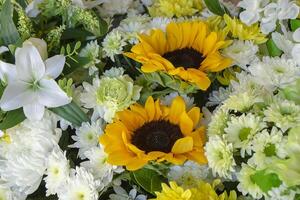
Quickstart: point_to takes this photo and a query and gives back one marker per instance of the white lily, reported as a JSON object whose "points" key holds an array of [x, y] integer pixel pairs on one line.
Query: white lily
{"points": [[31, 83]]}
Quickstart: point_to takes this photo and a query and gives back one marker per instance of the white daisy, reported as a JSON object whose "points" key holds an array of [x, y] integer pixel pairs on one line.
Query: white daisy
{"points": [[189, 174], [113, 44], [275, 72], [246, 185], [80, 186], [92, 51], [241, 102], [23, 162], [7, 193], [243, 53], [216, 97], [285, 114], [265, 146], [87, 137], [241, 131], [218, 122], [98, 166], [121, 194], [220, 158], [57, 171]]}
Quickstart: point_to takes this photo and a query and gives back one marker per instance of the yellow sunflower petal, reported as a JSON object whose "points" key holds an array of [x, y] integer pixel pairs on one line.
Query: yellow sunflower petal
{"points": [[119, 158], [139, 110], [158, 112], [174, 36], [130, 119], [175, 159], [136, 163], [194, 115], [209, 43], [177, 107], [150, 67], [183, 145], [197, 156], [186, 124], [150, 108]]}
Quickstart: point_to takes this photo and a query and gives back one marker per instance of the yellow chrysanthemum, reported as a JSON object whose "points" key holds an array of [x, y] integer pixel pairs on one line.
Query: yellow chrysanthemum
{"points": [[174, 192], [243, 32], [154, 132], [204, 191], [178, 8], [187, 50]]}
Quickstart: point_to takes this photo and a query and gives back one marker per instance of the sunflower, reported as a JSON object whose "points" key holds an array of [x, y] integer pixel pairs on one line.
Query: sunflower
{"points": [[154, 133], [188, 50]]}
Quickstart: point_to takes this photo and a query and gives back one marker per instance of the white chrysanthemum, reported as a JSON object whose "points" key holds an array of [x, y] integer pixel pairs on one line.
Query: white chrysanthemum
{"points": [[218, 122], [265, 146], [285, 114], [241, 131], [23, 161], [57, 171], [246, 185], [218, 96], [219, 154], [241, 102], [7, 193], [243, 53], [98, 166], [80, 186], [114, 7], [87, 137], [281, 193], [92, 51], [121, 194], [275, 72], [113, 44], [189, 174], [167, 100], [159, 23], [110, 94]]}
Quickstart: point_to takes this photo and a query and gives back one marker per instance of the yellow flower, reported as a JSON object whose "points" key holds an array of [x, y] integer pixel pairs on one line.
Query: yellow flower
{"points": [[204, 191], [178, 8], [243, 32], [173, 193], [154, 132], [5, 138], [187, 50]]}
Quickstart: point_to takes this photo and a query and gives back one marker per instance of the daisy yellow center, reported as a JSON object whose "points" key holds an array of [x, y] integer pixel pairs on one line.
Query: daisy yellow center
{"points": [[244, 133], [270, 150], [156, 136], [186, 57]]}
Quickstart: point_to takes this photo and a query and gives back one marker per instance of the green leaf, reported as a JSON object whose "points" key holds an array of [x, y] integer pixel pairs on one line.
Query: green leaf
{"points": [[273, 49], [12, 118], [265, 180], [75, 63], [295, 23], [215, 7], [71, 113], [8, 31], [148, 179]]}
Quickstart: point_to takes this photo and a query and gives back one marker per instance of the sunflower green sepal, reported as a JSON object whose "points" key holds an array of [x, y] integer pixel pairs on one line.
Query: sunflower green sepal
{"points": [[174, 83]]}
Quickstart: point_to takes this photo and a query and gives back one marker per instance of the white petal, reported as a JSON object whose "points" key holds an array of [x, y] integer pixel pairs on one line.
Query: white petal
{"points": [[34, 111], [55, 65], [51, 95], [296, 53], [16, 95], [296, 35], [30, 65], [7, 72], [249, 18], [3, 49]]}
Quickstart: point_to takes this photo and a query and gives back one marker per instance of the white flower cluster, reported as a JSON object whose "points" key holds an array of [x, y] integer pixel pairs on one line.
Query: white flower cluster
{"points": [[252, 126]]}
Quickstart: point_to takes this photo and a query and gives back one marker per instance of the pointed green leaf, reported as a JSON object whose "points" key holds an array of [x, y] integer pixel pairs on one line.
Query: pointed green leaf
{"points": [[295, 24], [12, 118], [215, 7], [8, 31], [273, 49], [265, 180]]}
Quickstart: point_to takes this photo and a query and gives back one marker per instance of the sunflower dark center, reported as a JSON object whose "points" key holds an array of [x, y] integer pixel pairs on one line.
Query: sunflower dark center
{"points": [[156, 136], [186, 57]]}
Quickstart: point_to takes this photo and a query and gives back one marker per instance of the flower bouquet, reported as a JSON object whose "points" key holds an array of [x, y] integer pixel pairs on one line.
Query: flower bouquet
{"points": [[149, 99]]}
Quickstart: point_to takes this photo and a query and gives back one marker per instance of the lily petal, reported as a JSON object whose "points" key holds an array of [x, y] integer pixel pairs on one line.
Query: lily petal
{"points": [[51, 95], [34, 111], [30, 65], [7, 72], [16, 95], [55, 65]]}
